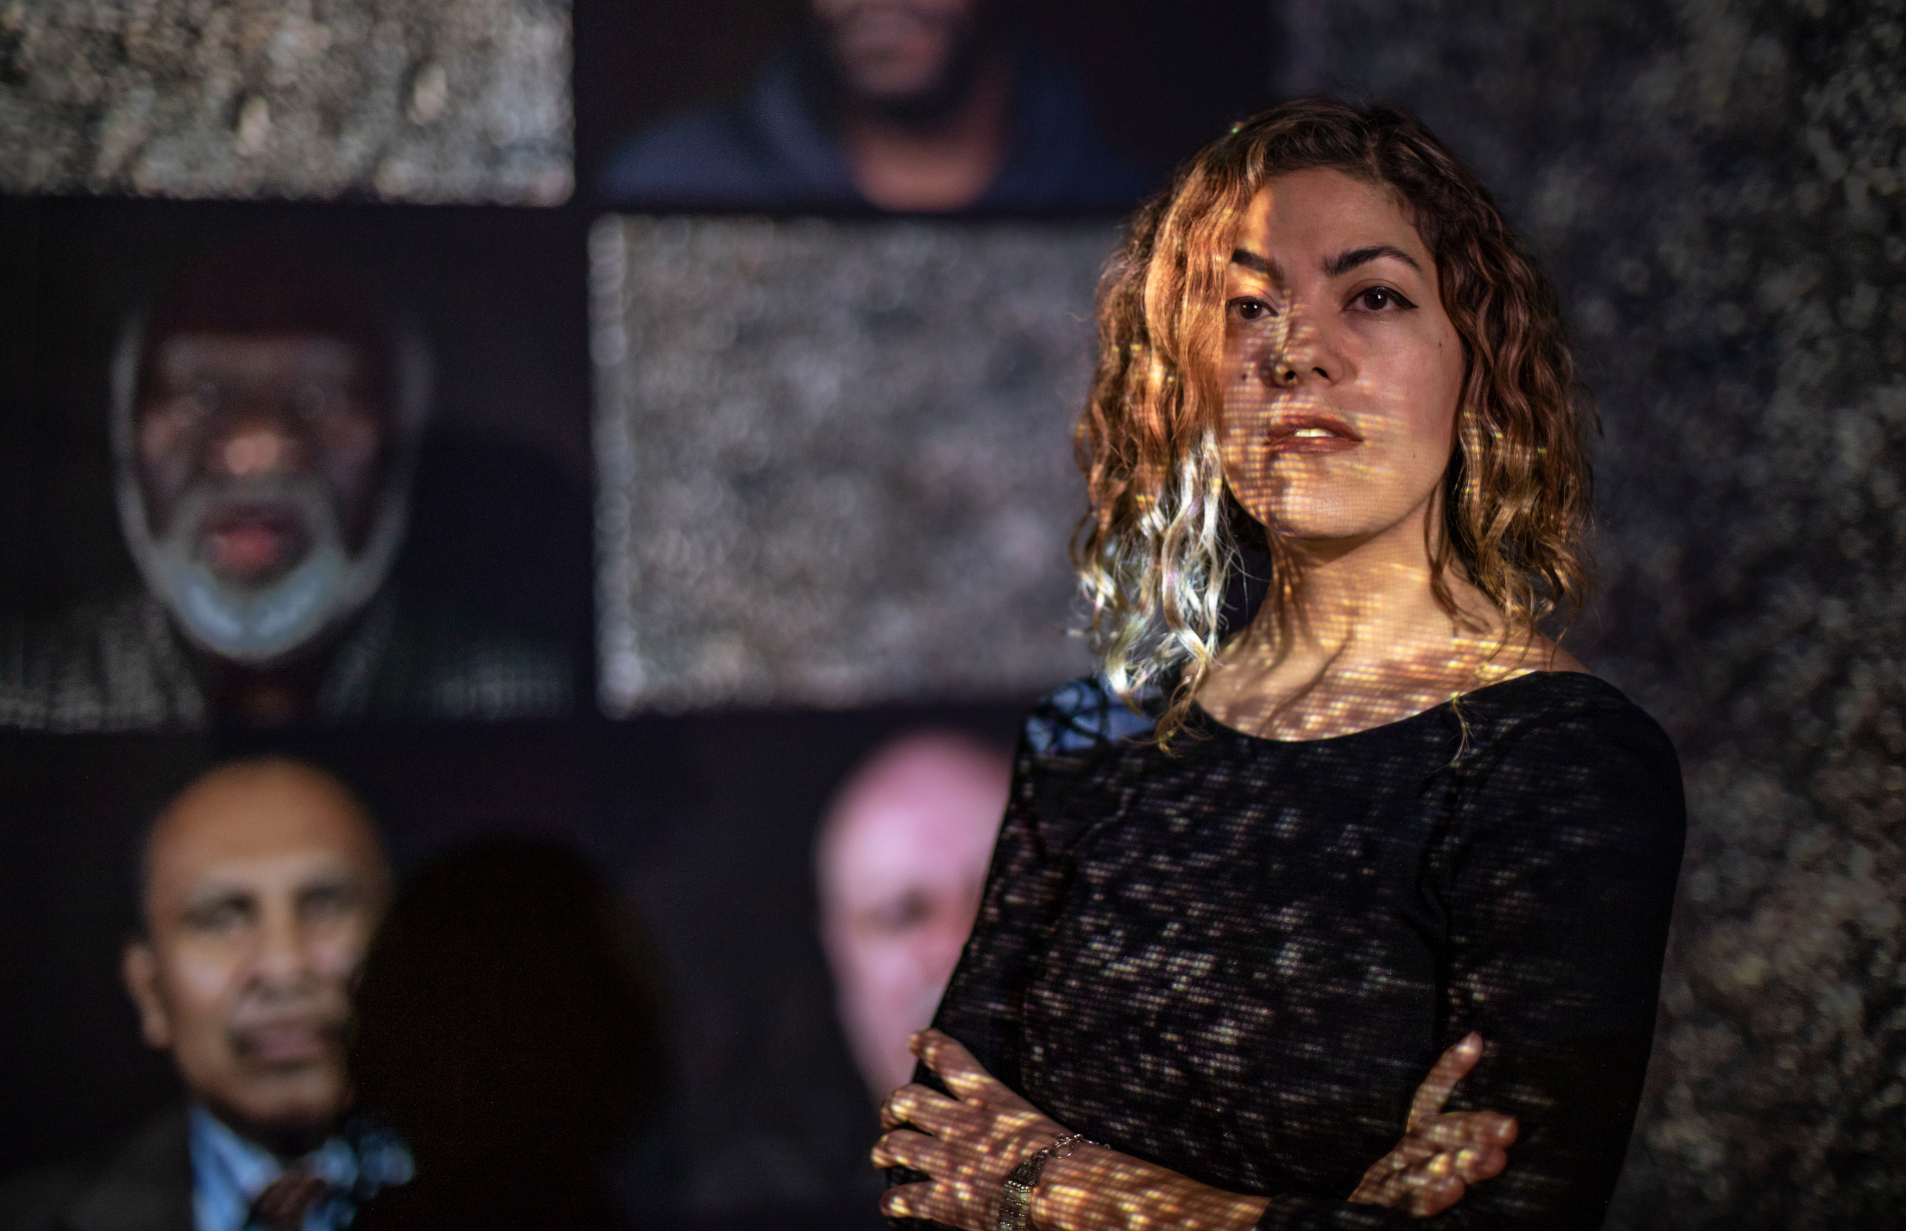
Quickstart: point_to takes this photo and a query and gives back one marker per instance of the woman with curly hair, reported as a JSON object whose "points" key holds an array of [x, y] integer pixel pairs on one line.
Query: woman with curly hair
{"points": [[1256, 875]]}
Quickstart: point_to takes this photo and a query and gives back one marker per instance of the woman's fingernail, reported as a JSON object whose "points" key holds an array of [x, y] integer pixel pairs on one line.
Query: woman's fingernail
{"points": [[1472, 1041]]}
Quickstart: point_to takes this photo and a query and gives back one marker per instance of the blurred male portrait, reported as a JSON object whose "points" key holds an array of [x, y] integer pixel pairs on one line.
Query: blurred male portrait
{"points": [[251, 469], [265, 424], [900, 862], [909, 105], [261, 886]]}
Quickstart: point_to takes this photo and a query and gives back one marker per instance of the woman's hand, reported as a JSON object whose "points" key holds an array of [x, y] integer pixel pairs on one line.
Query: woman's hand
{"points": [[970, 1143], [1441, 1153]]}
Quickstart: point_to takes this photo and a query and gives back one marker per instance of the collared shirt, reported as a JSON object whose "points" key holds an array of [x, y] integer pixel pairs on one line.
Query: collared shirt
{"points": [[228, 1173]]}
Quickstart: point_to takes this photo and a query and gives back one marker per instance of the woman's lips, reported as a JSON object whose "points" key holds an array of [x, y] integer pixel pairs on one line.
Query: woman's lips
{"points": [[1313, 434]]}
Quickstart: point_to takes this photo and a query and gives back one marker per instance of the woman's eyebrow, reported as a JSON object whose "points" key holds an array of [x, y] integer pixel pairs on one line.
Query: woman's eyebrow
{"points": [[1257, 263], [1344, 262]]}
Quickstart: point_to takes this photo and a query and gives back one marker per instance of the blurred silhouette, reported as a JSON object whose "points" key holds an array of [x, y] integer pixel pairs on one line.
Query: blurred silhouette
{"points": [[261, 885], [918, 105], [900, 861], [265, 421], [509, 1029]]}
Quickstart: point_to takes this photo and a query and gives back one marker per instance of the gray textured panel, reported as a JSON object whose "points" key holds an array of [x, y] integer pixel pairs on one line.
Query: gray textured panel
{"points": [[834, 458], [405, 100], [1718, 189]]}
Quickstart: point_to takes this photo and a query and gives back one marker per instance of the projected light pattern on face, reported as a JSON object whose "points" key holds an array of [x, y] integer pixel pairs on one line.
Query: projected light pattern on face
{"points": [[1342, 369], [1342, 379]]}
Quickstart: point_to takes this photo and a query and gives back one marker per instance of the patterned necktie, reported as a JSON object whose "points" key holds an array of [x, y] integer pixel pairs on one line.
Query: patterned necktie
{"points": [[286, 1200]]}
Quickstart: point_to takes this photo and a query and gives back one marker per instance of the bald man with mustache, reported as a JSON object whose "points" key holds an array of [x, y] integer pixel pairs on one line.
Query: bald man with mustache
{"points": [[262, 883]]}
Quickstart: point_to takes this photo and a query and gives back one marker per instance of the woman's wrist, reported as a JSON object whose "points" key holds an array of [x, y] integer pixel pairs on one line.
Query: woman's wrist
{"points": [[1094, 1188]]}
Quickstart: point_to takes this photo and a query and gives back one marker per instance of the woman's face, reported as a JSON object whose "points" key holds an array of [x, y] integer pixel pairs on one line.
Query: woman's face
{"points": [[1342, 371]]}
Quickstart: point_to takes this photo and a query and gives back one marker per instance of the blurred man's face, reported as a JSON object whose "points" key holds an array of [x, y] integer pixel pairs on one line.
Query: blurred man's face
{"points": [[241, 416], [897, 51], [258, 460], [901, 865], [264, 884]]}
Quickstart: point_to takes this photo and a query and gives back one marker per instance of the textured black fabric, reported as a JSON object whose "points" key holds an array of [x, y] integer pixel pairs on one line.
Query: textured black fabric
{"points": [[1239, 959]]}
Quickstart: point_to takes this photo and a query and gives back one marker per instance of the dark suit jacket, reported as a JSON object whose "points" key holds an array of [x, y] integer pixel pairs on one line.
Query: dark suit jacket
{"points": [[146, 1186]]}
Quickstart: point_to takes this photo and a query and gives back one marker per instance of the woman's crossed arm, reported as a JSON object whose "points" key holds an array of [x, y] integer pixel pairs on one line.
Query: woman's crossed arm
{"points": [[970, 1143]]}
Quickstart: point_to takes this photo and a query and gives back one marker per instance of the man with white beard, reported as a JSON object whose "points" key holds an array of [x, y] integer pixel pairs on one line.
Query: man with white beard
{"points": [[265, 424]]}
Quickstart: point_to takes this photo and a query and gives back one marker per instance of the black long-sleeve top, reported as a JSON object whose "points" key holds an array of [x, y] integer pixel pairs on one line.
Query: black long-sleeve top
{"points": [[1239, 958]]}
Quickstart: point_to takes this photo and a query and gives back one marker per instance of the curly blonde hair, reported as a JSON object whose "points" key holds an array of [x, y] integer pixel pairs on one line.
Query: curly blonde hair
{"points": [[1159, 546]]}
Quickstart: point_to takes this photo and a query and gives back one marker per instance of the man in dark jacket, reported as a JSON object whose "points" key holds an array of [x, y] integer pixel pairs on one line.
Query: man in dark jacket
{"points": [[262, 884], [913, 105]]}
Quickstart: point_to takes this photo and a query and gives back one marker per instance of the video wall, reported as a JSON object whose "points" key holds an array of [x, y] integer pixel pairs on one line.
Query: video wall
{"points": [[634, 488], [599, 436]]}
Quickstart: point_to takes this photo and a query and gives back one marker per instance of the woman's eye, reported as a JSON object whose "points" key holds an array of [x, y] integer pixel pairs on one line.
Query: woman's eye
{"points": [[1381, 298], [1250, 309]]}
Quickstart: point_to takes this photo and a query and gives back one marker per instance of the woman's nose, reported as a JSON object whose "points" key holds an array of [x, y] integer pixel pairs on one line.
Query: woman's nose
{"points": [[1302, 352]]}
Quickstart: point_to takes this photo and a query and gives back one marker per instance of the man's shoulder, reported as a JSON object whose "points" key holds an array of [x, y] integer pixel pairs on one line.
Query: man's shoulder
{"points": [[411, 657], [711, 156], [102, 664], [146, 1185], [769, 150]]}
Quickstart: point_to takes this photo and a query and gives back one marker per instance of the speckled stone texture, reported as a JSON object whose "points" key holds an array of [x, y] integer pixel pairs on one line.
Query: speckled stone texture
{"points": [[833, 458], [400, 100], [1717, 189]]}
